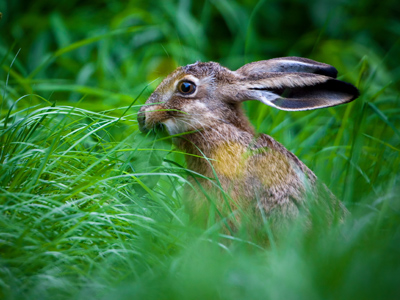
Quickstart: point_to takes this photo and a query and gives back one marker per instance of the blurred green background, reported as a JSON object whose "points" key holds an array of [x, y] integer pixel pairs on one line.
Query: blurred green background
{"points": [[90, 208], [120, 46]]}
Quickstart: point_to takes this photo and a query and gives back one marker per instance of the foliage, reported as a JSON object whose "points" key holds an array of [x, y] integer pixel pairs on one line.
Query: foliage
{"points": [[91, 208]]}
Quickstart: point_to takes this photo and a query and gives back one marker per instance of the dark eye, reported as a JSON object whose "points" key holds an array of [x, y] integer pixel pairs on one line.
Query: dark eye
{"points": [[186, 87]]}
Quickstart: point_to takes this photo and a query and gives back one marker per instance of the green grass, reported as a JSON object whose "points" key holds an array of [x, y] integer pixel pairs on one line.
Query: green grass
{"points": [[93, 209]]}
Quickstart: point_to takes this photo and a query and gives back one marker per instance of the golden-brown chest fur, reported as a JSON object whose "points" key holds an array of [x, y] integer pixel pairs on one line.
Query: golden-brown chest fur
{"points": [[236, 161], [256, 174]]}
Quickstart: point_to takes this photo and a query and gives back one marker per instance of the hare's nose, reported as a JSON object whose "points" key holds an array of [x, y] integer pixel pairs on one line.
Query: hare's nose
{"points": [[141, 117]]}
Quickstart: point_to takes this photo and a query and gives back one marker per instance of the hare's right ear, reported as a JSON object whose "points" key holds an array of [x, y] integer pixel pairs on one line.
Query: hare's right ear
{"points": [[307, 84]]}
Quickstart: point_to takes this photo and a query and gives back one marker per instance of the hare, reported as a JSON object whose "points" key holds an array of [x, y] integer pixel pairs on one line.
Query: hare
{"points": [[204, 99]]}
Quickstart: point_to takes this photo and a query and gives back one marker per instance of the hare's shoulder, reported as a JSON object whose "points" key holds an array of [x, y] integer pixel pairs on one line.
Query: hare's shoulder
{"points": [[267, 142], [319, 189]]}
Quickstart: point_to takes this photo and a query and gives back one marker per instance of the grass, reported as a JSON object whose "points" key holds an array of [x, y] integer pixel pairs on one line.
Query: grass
{"points": [[93, 209]]}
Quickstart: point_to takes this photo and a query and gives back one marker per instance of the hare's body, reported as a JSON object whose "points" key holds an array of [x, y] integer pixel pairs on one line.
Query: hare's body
{"points": [[205, 98], [247, 167]]}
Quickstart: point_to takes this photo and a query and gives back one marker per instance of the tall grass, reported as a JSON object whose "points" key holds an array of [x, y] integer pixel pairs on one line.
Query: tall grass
{"points": [[92, 209]]}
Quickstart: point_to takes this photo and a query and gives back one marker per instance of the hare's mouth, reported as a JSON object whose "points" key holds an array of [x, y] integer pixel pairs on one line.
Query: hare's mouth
{"points": [[141, 117], [189, 118]]}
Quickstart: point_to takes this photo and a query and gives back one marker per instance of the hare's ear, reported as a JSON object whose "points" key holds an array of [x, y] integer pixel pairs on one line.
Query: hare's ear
{"points": [[288, 64], [295, 91]]}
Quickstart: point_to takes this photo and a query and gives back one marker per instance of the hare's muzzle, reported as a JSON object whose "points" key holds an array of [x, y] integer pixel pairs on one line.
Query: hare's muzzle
{"points": [[141, 117]]}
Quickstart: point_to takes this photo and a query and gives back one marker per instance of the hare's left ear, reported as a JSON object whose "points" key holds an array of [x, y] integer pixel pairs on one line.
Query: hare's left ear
{"points": [[307, 84], [288, 64]]}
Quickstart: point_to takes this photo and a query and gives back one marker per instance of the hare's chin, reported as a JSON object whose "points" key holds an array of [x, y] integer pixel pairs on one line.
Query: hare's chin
{"points": [[174, 127]]}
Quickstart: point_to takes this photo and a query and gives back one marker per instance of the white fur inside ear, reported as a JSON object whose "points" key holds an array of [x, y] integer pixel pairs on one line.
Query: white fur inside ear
{"points": [[266, 97], [293, 80]]}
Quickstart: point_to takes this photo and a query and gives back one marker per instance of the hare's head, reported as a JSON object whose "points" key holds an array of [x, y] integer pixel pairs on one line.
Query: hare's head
{"points": [[204, 95]]}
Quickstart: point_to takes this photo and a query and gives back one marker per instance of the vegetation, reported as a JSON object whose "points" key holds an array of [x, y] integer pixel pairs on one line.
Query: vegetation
{"points": [[92, 209]]}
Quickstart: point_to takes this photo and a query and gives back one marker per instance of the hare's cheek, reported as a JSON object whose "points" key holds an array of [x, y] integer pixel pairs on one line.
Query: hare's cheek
{"points": [[197, 108], [200, 115], [192, 117]]}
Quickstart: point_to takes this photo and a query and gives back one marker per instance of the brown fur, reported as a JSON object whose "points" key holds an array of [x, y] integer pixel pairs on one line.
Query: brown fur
{"points": [[258, 173]]}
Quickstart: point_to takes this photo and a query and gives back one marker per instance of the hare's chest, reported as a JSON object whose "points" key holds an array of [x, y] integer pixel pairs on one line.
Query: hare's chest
{"points": [[230, 160], [239, 164]]}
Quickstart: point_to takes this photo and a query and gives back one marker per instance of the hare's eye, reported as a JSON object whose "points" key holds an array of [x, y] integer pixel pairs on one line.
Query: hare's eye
{"points": [[186, 87]]}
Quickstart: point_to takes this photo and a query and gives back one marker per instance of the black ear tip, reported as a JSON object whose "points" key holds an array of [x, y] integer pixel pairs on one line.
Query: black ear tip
{"points": [[327, 71], [352, 90], [343, 87], [356, 93]]}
